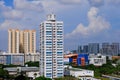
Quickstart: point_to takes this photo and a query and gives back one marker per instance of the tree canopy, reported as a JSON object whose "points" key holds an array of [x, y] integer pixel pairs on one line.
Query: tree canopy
{"points": [[42, 78], [31, 64]]}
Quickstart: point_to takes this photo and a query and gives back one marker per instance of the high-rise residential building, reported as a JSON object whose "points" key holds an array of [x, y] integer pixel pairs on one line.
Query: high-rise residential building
{"points": [[21, 41], [51, 47], [93, 48]]}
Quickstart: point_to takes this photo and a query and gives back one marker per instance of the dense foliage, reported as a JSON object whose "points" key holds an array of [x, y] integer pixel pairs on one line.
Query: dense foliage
{"points": [[3, 73], [21, 77], [66, 78], [42, 78], [105, 69], [31, 64]]}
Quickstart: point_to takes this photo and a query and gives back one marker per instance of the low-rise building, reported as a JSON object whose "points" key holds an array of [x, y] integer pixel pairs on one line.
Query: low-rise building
{"points": [[32, 57], [82, 74], [66, 60], [97, 60], [10, 58], [18, 58], [78, 59], [30, 72]]}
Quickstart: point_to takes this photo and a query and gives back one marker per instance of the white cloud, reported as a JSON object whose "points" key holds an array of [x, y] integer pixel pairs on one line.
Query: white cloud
{"points": [[9, 24], [28, 5], [29, 13], [24, 13], [13, 14], [96, 25], [59, 5]]}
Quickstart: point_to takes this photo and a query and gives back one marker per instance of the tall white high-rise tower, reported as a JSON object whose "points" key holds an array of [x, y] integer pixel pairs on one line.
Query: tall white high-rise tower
{"points": [[51, 47]]}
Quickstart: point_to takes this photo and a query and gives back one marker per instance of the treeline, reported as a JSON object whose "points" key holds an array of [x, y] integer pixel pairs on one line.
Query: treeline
{"points": [[105, 69]]}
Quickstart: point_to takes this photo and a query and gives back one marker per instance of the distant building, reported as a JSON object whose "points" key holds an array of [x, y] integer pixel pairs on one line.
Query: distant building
{"points": [[29, 71], [78, 59], [93, 48], [115, 47], [80, 50], [73, 58], [10, 58], [97, 60], [85, 49], [115, 57], [110, 49], [82, 59], [21, 41], [51, 47], [18, 58], [32, 57], [66, 61], [81, 74]]}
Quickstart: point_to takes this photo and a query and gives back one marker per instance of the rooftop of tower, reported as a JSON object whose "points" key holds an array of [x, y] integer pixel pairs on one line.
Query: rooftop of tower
{"points": [[51, 17]]}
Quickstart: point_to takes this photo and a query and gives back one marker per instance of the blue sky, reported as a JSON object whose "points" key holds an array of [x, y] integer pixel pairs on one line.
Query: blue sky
{"points": [[85, 21]]}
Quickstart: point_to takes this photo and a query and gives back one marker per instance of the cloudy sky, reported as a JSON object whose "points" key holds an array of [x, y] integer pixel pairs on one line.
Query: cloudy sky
{"points": [[85, 21]]}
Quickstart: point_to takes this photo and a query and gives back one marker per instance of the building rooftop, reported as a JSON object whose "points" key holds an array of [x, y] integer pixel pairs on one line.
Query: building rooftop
{"points": [[15, 69]]}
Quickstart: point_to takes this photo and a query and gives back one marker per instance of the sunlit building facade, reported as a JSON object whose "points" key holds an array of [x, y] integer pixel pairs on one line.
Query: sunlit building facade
{"points": [[21, 41], [51, 47]]}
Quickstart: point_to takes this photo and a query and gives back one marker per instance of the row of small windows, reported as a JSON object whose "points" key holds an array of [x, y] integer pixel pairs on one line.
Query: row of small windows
{"points": [[49, 63], [54, 31], [53, 25], [59, 73], [49, 68], [47, 42], [48, 74], [59, 52], [59, 62], [49, 52], [47, 23], [59, 42]]}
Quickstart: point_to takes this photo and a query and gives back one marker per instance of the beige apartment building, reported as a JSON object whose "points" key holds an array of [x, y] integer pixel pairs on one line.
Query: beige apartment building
{"points": [[21, 41]]}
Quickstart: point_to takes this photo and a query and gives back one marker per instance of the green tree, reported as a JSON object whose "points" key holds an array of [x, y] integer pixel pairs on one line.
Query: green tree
{"points": [[30, 63], [66, 78], [42, 78], [21, 77], [118, 69], [4, 73]]}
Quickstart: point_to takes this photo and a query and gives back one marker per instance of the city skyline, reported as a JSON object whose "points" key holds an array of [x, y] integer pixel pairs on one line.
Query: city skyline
{"points": [[85, 21]]}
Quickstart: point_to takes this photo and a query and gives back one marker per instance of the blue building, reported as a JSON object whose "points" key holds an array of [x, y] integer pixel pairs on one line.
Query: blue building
{"points": [[82, 59], [79, 59]]}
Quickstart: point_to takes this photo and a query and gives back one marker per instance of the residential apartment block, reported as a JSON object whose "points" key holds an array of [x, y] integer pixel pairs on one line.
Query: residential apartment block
{"points": [[21, 41], [51, 47]]}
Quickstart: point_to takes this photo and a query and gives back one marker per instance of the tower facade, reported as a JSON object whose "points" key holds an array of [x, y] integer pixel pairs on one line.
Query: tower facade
{"points": [[51, 47], [21, 41], [93, 48], [110, 49]]}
